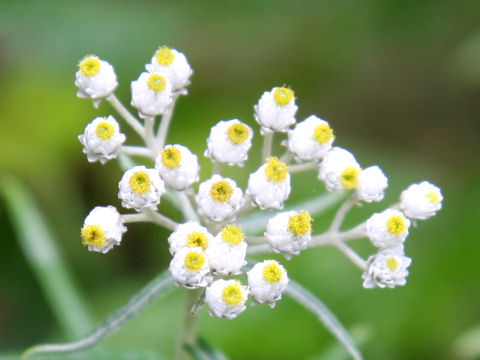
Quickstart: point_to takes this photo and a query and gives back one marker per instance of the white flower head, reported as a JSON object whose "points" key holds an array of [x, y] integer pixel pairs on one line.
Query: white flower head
{"points": [[421, 201], [178, 167], [371, 184], [189, 268], [339, 170], [289, 232], [102, 229], [229, 142], [226, 298], [269, 186], [276, 110], [140, 188], [95, 79], [102, 139], [151, 94], [190, 234], [173, 64], [227, 251], [311, 139], [387, 268], [267, 281], [388, 228], [219, 198]]}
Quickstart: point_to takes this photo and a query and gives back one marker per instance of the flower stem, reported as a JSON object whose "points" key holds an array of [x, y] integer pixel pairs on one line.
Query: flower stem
{"points": [[267, 145], [303, 167], [188, 330], [165, 123], [137, 151], [129, 118], [340, 215]]}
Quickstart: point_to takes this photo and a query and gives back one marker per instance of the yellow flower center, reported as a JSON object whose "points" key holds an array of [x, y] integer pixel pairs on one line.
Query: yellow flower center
{"points": [[349, 178], [89, 65], [323, 133], [165, 56], [392, 263], [396, 225], [232, 235], [276, 170], [272, 273], [194, 261], [140, 182], [433, 197], [283, 96], [104, 130], [221, 191], [238, 133], [301, 224], [171, 157], [156, 82], [93, 235], [232, 294], [197, 239]]}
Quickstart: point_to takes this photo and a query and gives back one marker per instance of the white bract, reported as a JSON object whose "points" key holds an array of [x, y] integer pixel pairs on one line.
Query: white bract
{"points": [[267, 281], [151, 94], [140, 188], [339, 170], [421, 201], [226, 298], [178, 167], [227, 251], [189, 268], [276, 110], [387, 229], [387, 268], [371, 184], [190, 234], [173, 64]]}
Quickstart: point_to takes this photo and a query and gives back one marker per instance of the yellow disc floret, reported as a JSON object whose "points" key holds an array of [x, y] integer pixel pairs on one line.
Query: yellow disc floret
{"points": [[93, 235], [276, 170], [272, 273], [165, 56], [171, 157], [197, 239], [283, 96], [392, 263], [221, 191], [156, 82], [434, 197], [396, 225], [104, 130], [300, 224], [349, 178], [140, 182], [194, 261], [323, 133], [232, 235], [238, 133], [90, 65], [232, 294]]}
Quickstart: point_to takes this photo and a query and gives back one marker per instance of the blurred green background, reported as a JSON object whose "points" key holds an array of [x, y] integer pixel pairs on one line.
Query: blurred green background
{"points": [[399, 81]]}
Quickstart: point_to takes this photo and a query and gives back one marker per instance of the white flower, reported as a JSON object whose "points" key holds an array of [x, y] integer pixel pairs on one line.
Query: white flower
{"points": [[95, 79], [269, 186], [371, 184], [140, 188], [229, 142], [267, 281], [102, 229], [388, 228], [387, 268], [276, 110], [421, 201], [311, 139], [173, 64], [189, 268], [219, 198], [151, 94], [289, 232], [190, 234], [177, 166], [339, 170], [226, 298], [102, 139], [227, 251]]}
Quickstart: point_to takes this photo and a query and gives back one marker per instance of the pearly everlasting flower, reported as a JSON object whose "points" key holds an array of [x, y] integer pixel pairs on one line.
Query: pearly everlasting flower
{"points": [[102, 229], [387, 268], [269, 186], [190, 234], [151, 94], [189, 268], [219, 198], [140, 188], [387, 229], [227, 251], [226, 298], [289, 232], [311, 139], [102, 139], [95, 79], [276, 110], [371, 184], [173, 64], [178, 167], [267, 281], [339, 170], [229, 142], [421, 201]]}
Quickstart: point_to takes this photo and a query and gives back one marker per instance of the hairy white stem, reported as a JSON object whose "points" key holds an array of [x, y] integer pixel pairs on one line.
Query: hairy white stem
{"points": [[149, 134], [137, 151], [247, 206], [340, 215], [352, 255], [160, 219], [311, 165], [165, 123], [129, 118], [217, 168], [255, 239], [287, 157], [186, 206], [267, 145]]}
